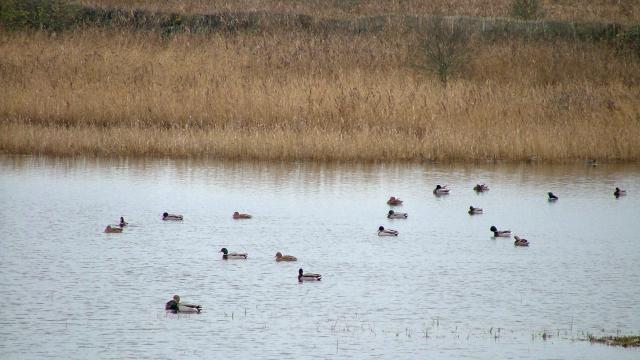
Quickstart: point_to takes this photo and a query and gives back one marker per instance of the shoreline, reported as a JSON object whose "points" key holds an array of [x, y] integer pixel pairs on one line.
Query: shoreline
{"points": [[587, 162]]}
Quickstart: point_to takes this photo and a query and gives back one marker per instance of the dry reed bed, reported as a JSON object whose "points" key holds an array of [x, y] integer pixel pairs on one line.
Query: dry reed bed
{"points": [[627, 11], [299, 96]]}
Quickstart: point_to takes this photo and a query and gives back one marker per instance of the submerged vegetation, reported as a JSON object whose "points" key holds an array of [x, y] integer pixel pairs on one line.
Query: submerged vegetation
{"points": [[299, 82], [624, 341]]}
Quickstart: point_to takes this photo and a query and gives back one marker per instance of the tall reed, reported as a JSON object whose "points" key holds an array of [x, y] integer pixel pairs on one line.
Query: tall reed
{"points": [[296, 95]]}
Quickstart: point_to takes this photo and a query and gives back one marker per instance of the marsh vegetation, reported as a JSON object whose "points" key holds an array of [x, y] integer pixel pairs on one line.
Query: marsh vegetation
{"points": [[312, 91]]}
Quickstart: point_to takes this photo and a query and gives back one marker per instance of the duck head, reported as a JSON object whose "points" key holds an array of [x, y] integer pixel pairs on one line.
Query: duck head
{"points": [[391, 212], [278, 255], [165, 214], [381, 228], [438, 187], [300, 272], [224, 251], [493, 228]]}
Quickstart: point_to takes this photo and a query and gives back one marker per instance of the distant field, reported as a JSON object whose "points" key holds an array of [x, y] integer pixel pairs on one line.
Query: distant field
{"points": [[621, 11]]}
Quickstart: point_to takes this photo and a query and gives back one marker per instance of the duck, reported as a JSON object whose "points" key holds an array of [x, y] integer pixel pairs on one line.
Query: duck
{"points": [[396, 215], [280, 257], [386, 232], [619, 192], [175, 306], [237, 215], [112, 229], [481, 188], [474, 210], [441, 190], [308, 276], [552, 197], [122, 222], [229, 256], [166, 216], [393, 201], [500, 233], [520, 242]]}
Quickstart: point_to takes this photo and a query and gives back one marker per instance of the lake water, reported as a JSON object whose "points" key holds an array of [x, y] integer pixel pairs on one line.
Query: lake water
{"points": [[442, 289]]}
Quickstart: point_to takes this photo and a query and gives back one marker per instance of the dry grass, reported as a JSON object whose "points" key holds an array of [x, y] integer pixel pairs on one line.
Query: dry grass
{"points": [[303, 96], [622, 11]]}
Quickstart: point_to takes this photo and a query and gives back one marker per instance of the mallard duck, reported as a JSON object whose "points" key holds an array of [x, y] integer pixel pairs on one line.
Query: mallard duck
{"points": [[122, 222], [619, 192], [396, 215], [280, 257], [441, 190], [308, 276], [386, 232], [166, 216], [500, 233], [393, 201], [237, 215], [228, 256], [520, 242], [175, 306], [474, 210], [552, 197], [112, 229], [481, 188]]}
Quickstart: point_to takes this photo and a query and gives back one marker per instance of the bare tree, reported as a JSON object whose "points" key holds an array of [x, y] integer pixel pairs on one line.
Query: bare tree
{"points": [[444, 48], [526, 9]]}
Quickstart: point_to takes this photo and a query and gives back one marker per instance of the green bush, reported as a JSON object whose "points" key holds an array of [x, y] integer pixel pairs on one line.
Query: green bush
{"points": [[629, 41], [51, 15]]}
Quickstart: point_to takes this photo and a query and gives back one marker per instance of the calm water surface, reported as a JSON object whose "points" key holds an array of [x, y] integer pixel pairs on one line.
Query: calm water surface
{"points": [[443, 289]]}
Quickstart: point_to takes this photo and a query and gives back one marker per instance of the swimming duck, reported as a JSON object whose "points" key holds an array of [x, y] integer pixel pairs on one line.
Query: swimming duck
{"points": [[122, 222], [520, 242], [619, 192], [552, 197], [166, 216], [386, 232], [237, 215], [308, 276], [500, 233], [393, 201], [112, 229], [280, 257], [175, 306], [441, 190], [396, 215], [474, 210], [481, 188], [227, 256]]}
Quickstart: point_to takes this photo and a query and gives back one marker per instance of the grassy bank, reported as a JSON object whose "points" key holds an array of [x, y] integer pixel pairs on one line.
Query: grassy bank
{"points": [[303, 89], [294, 95]]}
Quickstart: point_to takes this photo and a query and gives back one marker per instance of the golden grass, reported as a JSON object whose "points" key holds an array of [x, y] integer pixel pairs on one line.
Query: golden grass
{"points": [[625, 11], [296, 95]]}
